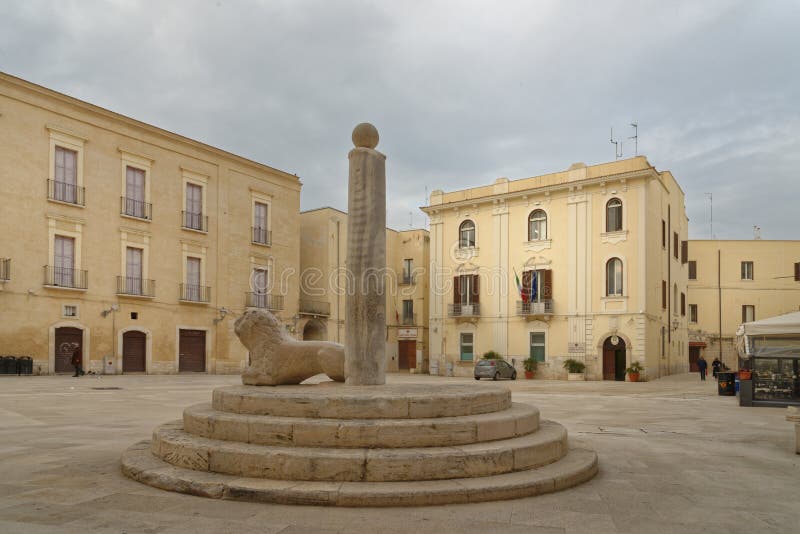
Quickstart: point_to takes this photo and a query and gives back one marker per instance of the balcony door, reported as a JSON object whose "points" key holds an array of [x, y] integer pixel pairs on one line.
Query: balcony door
{"points": [[134, 192], [260, 223], [194, 206], [133, 271], [260, 288], [193, 279], [64, 261], [66, 175]]}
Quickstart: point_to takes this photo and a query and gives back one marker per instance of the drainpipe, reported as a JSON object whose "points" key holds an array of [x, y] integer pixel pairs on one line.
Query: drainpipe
{"points": [[338, 290], [719, 298]]}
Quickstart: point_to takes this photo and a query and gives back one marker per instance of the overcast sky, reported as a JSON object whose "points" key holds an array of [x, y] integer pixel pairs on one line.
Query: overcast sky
{"points": [[461, 92]]}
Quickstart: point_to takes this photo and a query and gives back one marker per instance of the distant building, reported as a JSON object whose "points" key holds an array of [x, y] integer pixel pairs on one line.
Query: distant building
{"points": [[733, 282], [323, 251], [600, 255]]}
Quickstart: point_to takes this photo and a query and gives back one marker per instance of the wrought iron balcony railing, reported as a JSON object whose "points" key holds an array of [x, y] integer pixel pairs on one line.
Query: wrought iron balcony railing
{"points": [[65, 192], [407, 279], [464, 310], [262, 236], [408, 320], [315, 307], [195, 293], [135, 208], [541, 307], [135, 286], [5, 269], [66, 277], [195, 221], [264, 300]]}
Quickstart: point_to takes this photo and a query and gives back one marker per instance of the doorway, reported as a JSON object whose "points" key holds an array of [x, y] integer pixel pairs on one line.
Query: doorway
{"points": [[407, 354], [134, 352], [67, 340], [315, 330], [192, 351], [614, 359], [694, 355]]}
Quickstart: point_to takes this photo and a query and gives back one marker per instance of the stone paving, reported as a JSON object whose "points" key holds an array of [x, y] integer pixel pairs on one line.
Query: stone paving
{"points": [[674, 457]]}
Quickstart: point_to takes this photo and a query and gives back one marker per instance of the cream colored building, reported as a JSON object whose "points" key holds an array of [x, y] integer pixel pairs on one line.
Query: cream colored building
{"points": [[323, 251], [736, 281], [600, 253], [131, 243]]}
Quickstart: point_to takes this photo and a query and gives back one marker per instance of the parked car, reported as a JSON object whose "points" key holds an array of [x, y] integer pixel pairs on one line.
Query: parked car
{"points": [[494, 369]]}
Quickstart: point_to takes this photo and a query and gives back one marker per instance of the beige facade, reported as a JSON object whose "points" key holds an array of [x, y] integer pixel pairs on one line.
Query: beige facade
{"points": [[736, 281], [561, 233], [132, 243], [323, 248]]}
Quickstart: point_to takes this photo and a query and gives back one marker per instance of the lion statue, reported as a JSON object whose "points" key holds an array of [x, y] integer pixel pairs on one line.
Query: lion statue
{"points": [[277, 358]]}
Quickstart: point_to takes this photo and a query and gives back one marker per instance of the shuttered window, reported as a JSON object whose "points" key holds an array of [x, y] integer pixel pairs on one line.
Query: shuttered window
{"points": [[693, 270], [614, 215], [683, 303], [614, 277], [664, 294], [66, 175], [64, 261], [684, 251]]}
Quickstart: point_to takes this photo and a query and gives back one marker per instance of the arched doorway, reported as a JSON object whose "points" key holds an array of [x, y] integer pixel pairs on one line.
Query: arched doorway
{"points": [[67, 339], [315, 330], [134, 352], [614, 359]]}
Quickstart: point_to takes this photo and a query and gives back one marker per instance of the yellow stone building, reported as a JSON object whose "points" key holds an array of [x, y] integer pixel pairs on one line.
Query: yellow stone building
{"points": [[737, 281], [600, 254], [323, 250], [136, 246]]}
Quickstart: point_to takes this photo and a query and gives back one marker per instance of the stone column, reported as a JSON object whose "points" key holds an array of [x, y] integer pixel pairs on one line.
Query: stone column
{"points": [[365, 303]]}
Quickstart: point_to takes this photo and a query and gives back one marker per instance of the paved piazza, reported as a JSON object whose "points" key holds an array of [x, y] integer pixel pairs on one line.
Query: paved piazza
{"points": [[674, 457]]}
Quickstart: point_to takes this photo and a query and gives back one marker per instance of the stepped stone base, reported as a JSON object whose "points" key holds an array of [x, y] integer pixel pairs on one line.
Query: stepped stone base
{"points": [[341, 445]]}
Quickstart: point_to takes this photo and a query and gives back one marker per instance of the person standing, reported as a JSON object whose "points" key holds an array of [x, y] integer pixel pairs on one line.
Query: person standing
{"points": [[77, 362], [715, 365], [702, 366]]}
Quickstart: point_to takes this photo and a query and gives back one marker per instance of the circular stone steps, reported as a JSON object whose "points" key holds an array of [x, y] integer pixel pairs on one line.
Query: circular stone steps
{"points": [[204, 421], [392, 445]]}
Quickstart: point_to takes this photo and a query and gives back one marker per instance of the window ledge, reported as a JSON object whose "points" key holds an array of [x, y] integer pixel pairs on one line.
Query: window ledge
{"points": [[258, 243], [65, 203], [135, 218], [614, 237], [65, 288], [201, 302], [465, 253], [195, 230], [614, 297], [537, 245]]}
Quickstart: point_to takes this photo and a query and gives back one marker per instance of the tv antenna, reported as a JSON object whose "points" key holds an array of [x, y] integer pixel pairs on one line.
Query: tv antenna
{"points": [[635, 137], [617, 146], [756, 232]]}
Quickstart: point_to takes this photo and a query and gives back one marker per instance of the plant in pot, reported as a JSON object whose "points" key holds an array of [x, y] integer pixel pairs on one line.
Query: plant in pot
{"points": [[492, 355], [530, 367], [634, 370], [575, 369]]}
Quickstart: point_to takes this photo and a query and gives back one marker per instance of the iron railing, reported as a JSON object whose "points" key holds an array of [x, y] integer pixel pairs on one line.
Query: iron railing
{"points": [[5, 269], [262, 236], [65, 192], [264, 300], [195, 293], [65, 277], [135, 286], [464, 310], [541, 307], [407, 279], [315, 307], [409, 320], [195, 221], [136, 208]]}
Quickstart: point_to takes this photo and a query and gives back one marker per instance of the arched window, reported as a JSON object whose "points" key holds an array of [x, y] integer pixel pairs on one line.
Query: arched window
{"points": [[614, 277], [614, 215], [537, 225], [466, 234]]}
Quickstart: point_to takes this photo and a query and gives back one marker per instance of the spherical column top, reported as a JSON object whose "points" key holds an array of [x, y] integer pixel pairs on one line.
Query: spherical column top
{"points": [[365, 135]]}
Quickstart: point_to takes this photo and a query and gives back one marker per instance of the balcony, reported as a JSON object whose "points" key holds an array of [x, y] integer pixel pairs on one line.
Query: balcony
{"points": [[5, 269], [262, 236], [135, 208], [67, 193], [529, 309], [464, 310], [264, 301], [315, 307], [408, 320], [406, 280], [195, 221], [195, 293], [65, 277], [130, 286]]}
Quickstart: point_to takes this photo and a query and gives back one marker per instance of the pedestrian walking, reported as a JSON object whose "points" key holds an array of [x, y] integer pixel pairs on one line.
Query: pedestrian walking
{"points": [[715, 365], [702, 366], [77, 362]]}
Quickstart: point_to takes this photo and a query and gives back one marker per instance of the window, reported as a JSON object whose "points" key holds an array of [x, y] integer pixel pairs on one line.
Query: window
{"points": [[748, 313], [663, 233], [193, 216], [134, 204], [692, 313], [747, 270], [537, 285], [537, 348], [260, 278], [614, 277], [408, 312], [466, 289], [65, 183], [683, 304], [664, 294], [675, 299], [408, 269], [692, 270], [684, 252], [192, 279], [261, 233], [675, 244], [64, 261], [467, 346], [537, 225], [466, 234], [133, 271], [69, 310], [614, 215], [797, 272]]}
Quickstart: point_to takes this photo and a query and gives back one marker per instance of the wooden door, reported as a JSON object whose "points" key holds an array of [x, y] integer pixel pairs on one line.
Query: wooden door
{"points": [[192, 351], [694, 355], [67, 340], [407, 354], [609, 364], [134, 352]]}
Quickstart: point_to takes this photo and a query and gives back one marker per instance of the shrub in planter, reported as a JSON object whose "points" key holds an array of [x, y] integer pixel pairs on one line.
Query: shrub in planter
{"points": [[492, 355], [530, 367], [634, 370], [575, 369]]}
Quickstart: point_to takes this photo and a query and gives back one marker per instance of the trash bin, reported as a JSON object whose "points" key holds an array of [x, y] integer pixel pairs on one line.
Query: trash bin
{"points": [[108, 365], [9, 365], [433, 367], [449, 369], [726, 383], [25, 365]]}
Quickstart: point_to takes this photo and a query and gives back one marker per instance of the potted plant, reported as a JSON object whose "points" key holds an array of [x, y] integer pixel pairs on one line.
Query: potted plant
{"points": [[575, 369], [492, 355], [634, 370], [530, 367]]}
